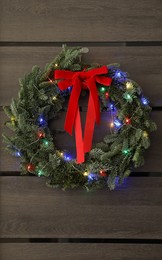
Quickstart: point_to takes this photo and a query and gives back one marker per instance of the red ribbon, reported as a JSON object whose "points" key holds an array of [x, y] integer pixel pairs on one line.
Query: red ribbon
{"points": [[79, 80]]}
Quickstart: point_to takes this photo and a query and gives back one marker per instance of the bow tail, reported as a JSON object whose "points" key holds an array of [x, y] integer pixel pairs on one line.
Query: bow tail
{"points": [[93, 115], [89, 125], [78, 138]]}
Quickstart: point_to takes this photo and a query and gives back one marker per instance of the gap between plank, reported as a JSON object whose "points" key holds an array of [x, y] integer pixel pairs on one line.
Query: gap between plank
{"points": [[82, 240], [88, 44], [133, 174]]}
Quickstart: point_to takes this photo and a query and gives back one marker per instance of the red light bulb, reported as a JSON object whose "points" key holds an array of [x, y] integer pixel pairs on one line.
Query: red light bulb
{"points": [[127, 120], [102, 173], [107, 95], [41, 135], [30, 167]]}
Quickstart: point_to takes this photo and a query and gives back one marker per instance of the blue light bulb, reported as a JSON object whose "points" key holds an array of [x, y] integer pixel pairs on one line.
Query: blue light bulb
{"points": [[42, 121], [92, 177], [117, 123], [112, 107], [18, 154], [118, 74], [144, 101], [67, 158]]}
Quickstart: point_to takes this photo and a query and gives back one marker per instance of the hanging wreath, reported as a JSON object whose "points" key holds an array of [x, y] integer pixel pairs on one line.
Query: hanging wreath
{"points": [[40, 99]]}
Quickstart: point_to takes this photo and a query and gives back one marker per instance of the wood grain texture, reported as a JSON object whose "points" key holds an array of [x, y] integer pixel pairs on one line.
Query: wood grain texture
{"points": [[81, 21], [31, 209], [143, 64], [79, 252], [153, 161]]}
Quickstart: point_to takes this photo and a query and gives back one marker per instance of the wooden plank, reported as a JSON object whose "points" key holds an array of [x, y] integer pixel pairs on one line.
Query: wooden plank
{"points": [[79, 251], [81, 21], [153, 161], [30, 209], [143, 64]]}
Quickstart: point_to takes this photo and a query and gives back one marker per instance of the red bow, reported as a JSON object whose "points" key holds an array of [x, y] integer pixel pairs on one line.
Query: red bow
{"points": [[81, 80]]}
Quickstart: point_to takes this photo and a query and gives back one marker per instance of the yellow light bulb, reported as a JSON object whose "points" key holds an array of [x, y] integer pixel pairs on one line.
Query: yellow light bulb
{"points": [[111, 124], [129, 85], [85, 173], [61, 154], [54, 98], [145, 134], [12, 118], [56, 65]]}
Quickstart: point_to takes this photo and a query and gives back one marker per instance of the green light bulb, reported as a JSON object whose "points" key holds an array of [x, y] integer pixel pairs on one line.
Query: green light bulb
{"points": [[126, 151], [40, 173], [45, 142], [102, 89], [128, 96]]}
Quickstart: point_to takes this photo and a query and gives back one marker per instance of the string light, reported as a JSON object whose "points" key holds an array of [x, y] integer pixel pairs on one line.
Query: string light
{"points": [[126, 151], [42, 121], [117, 123], [112, 107], [61, 154], [127, 96], [145, 134], [144, 101], [107, 95], [92, 177], [86, 173], [127, 121], [56, 65], [30, 167], [111, 124], [18, 154], [54, 98], [118, 74], [50, 80], [103, 173], [102, 89], [67, 157], [45, 142], [129, 85], [41, 135], [12, 118], [40, 172]]}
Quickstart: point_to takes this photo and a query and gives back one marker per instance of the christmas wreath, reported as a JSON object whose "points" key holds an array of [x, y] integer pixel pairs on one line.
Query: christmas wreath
{"points": [[40, 99]]}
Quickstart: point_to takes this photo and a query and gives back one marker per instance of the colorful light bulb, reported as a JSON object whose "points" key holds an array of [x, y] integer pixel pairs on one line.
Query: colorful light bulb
{"points": [[86, 173], [118, 74], [126, 151], [42, 121], [40, 172], [107, 95], [18, 154], [145, 134], [127, 121], [30, 167], [67, 158], [102, 89], [112, 124], [117, 123], [54, 98], [144, 101], [92, 177], [45, 142], [41, 135], [103, 173], [129, 85]]}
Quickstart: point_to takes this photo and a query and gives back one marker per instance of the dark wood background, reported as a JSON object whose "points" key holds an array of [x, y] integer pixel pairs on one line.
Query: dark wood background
{"points": [[37, 222]]}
